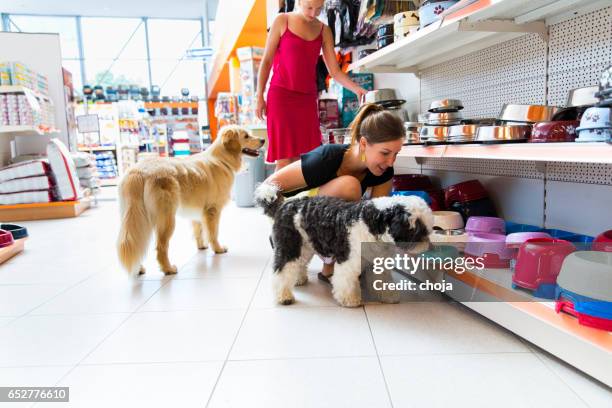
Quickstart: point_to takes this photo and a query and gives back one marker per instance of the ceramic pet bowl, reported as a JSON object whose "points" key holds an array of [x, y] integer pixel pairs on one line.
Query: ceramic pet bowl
{"points": [[594, 135], [490, 225], [406, 18], [560, 131], [490, 247], [431, 9], [462, 192], [596, 118], [447, 220], [538, 264], [6, 238], [456, 238], [404, 31], [603, 242], [17, 231]]}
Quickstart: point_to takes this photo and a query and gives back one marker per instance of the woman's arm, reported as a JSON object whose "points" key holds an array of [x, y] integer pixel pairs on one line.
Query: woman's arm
{"points": [[266, 63], [288, 178], [382, 190], [329, 56]]}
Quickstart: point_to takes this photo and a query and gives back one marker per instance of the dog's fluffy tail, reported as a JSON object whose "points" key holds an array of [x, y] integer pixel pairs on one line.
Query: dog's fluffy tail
{"points": [[136, 227], [268, 197]]}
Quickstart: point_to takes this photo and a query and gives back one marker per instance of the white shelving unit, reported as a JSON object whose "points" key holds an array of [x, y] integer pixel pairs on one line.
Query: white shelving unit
{"points": [[470, 29], [24, 130], [484, 26], [541, 152]]}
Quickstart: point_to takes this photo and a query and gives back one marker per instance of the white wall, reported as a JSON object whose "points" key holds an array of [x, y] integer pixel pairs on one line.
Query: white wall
{"points": [[407, 86], [40, 53]]}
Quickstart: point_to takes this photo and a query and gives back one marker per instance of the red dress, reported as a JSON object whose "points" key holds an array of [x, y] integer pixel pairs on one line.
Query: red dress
{"points": [[292, 105]]}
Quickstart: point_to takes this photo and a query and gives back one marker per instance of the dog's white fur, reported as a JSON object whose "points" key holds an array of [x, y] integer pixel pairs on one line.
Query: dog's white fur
{"points": [[345, 280]]}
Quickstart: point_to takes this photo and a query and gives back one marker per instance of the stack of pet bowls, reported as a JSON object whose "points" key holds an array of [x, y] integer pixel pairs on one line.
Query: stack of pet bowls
{"points": [[595, 125], [388, 100], [538, 264], [564, 122], [487, 240], [443, 114], [422, 183], [448, 228], [405, 23], [465, 133], [384, 35], [585, 288], [431, 9], [517, 123], [469, 199], [413, 130]]}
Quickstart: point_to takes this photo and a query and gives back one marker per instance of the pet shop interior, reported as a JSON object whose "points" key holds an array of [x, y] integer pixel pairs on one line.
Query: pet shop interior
{"points": [[506, 106]]}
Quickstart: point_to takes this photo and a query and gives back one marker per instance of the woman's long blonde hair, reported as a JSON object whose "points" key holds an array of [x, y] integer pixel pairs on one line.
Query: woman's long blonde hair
{"points": [[377, 125]]}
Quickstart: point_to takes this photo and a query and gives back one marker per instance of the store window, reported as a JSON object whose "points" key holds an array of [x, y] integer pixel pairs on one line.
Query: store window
{"points": [[65, 26], [169, 40], [115, 51]]}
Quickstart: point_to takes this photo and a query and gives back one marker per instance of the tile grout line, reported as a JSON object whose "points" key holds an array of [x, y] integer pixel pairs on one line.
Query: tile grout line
{"points": [[378, 357], [229, 352], [554, 373], [130, 314]]}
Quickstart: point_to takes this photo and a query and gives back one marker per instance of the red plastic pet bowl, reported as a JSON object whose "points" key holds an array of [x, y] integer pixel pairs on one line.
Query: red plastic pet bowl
{"points": [[6, 238], [470, 190], [539, 263], [411, 182], [603, 242], [437, 199], [558, 131]]}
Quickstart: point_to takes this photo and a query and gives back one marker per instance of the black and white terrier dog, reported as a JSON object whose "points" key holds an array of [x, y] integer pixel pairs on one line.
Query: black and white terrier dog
{"points": [[332, 227]]}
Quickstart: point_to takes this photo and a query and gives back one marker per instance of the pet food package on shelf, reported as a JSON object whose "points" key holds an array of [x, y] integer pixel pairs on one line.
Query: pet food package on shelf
{"points": [[27, 197], [27, 184], [347, 100], [24, 169], [64, 170]]}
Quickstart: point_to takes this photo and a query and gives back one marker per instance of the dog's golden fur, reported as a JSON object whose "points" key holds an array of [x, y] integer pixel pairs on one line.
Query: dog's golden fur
{"points": [[199, 186]]}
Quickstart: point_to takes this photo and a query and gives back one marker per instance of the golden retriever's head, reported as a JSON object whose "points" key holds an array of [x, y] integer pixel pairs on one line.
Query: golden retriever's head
{"points": [[237, 139]]}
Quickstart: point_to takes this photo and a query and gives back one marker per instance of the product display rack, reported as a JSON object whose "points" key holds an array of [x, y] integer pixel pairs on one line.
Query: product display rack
{"points": [[473, 28], [567, 152], [505, 51]]}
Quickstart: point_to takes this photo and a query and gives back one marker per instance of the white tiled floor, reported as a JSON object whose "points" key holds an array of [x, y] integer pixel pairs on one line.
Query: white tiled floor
{"points": [[213, 336]]}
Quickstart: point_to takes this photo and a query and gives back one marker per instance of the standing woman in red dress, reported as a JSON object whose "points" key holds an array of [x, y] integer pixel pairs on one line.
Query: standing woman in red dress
{"points": [[292, 49]]}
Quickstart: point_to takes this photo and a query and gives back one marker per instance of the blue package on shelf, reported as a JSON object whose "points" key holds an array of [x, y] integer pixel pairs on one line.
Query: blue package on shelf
{"points": [[512, 227], [569, 236], [422, 194]]}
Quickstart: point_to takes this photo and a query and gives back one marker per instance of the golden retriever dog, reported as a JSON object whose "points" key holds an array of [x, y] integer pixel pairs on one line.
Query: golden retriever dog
{"points": [[198, 186]]}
